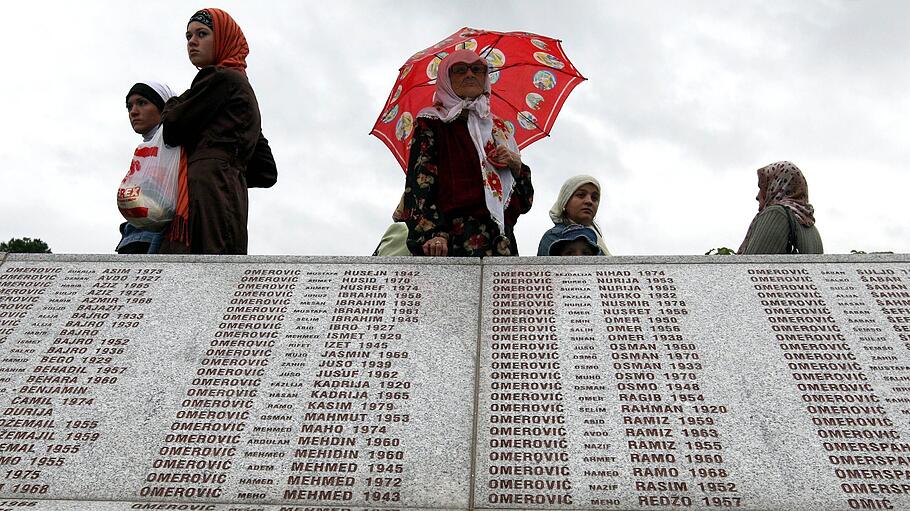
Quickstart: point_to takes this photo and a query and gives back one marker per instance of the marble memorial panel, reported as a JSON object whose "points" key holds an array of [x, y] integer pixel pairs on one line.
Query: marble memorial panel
{"points": [[616, 383], [99, 505], [292, 382], [699, 383]]}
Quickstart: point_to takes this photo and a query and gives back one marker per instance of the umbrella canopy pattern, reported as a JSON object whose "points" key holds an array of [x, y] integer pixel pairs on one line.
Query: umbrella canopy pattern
{"points": [[530, 74]]}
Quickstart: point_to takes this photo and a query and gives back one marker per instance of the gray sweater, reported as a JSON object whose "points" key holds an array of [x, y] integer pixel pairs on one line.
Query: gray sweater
{"points": [[771, 231]]}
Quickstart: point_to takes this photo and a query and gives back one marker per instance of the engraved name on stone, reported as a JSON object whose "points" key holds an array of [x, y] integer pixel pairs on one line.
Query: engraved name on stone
{"points": [[831, 366], [528, 457], [599, 386], [72, 331]]}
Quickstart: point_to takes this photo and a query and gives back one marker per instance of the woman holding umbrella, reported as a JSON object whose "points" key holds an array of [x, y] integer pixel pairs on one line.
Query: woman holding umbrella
{"points": [[466, 184], [218, 124]]}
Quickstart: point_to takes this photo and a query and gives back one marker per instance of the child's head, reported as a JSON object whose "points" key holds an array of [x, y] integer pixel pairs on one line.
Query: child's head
{"points": [[575, 240], [575, 248]]}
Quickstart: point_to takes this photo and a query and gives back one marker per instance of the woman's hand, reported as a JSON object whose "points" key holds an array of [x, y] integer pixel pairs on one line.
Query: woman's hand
{"points": [[437, 246], [501, 156]]}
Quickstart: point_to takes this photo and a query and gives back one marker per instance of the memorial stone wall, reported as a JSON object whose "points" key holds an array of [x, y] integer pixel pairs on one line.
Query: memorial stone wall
{"points": [[282, 383]]}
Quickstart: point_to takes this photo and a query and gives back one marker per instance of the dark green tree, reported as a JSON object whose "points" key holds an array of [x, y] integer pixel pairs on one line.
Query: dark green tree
{"points": [[721, 251], [25, 246]]}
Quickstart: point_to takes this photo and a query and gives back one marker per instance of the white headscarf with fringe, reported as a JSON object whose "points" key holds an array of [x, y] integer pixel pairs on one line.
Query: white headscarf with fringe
{"points": [[558, 211]]}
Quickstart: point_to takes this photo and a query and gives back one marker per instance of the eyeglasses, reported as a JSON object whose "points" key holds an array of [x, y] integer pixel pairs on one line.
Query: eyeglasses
{"points": [[461, 68]]}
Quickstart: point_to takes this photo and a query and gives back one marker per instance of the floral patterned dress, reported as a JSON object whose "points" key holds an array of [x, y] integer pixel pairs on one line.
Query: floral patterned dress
{"points": [[444, 194]]}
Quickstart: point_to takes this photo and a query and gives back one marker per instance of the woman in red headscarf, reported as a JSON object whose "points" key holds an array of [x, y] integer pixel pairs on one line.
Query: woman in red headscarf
{"points": [[466, 184], [217, 122]]}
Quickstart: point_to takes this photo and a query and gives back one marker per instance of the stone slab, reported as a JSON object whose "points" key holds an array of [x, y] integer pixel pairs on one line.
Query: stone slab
{"points": [[701, 383], [768, 383], [100, 505], [237, 380]]}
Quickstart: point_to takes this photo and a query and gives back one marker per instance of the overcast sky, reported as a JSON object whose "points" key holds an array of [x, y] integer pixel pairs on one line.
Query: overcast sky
{"points": [[684, 101]]}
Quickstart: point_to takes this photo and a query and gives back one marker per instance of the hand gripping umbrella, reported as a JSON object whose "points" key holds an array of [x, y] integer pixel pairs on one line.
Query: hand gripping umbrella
{"points": [[530, 74]]}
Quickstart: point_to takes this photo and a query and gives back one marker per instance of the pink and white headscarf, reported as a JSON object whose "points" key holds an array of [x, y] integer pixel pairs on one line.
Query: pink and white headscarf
{"points": [[485, 129], [785, 185]]}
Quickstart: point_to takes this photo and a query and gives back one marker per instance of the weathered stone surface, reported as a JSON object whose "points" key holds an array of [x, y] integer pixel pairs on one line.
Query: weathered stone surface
{"points": [[98, 505], [601, 383], [259, 381], [763, 383]]}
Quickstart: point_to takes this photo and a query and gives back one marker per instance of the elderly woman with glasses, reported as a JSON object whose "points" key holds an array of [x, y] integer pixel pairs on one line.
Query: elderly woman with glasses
{"points": [[466, 184]]}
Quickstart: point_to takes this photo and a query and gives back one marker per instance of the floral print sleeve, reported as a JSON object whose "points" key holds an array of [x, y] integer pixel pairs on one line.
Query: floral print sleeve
{"points": [[419, 211], [522, 195]]}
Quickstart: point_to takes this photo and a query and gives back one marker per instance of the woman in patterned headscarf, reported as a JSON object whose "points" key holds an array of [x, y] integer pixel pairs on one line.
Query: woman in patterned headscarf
{"points": [[217, 122], [466, 184], [785, 223]]}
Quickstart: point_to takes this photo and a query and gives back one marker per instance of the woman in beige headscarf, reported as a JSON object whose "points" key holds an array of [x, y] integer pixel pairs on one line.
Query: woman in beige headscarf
{"points": [[785, 223], [577, 203]]}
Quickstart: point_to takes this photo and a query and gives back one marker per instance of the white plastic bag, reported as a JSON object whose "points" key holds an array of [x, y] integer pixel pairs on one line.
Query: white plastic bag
{"points": [[147, 195]]}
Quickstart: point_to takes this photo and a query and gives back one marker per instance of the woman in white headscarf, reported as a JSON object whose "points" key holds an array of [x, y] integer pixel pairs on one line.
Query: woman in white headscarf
{"points": [[577, 203], [466, 184], [144, 103]]}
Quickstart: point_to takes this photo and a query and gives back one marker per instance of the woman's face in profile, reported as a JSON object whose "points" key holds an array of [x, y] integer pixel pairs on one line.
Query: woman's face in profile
{"points": [[144, 115], [762, 195], [200, 44], [468, 79], [582, 205]]}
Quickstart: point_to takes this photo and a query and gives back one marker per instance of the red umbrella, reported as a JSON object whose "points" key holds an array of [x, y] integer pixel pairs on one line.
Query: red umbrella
{"points": [[531, 77]]}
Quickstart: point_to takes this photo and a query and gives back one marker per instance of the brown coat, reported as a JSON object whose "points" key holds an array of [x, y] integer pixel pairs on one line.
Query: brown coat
{"points": [[217, 122]]}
